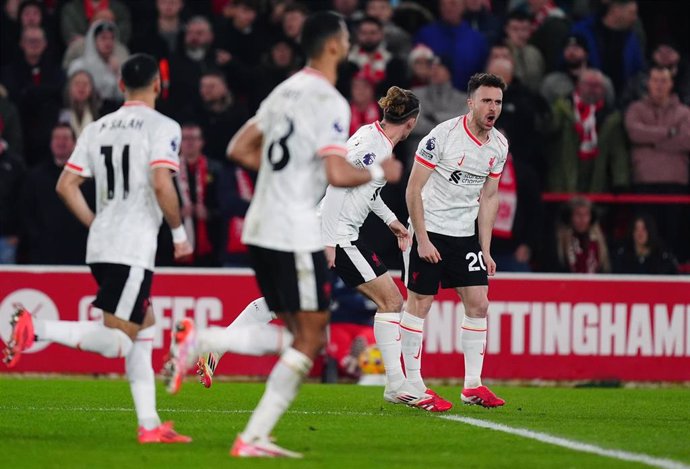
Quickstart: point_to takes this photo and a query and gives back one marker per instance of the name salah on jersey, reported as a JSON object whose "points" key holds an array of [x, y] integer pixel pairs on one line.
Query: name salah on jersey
{"points": [[119, 124]]}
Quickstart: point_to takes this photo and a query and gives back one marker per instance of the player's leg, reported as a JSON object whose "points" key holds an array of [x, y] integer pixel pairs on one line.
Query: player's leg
{"points": [[467, 274], [389, 302], [255, 313], [473, 339], [295, 282], [139, 370], [360, 268]]}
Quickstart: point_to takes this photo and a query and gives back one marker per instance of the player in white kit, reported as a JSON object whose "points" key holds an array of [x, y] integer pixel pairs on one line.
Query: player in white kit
{"points": [[297, 140], [452, 187], [344, 211], [131, 153]]}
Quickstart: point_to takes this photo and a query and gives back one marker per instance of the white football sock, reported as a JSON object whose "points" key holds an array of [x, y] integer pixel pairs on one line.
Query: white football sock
{"points": [[256, 312], [281, 389], [473, 340], [388, 339], [412, 334], [90, 336], [254, 339], [142, 379]]}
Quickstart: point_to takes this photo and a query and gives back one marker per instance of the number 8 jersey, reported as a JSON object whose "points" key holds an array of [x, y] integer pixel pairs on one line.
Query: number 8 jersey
{"points": [[303, 119], [120, 151]]}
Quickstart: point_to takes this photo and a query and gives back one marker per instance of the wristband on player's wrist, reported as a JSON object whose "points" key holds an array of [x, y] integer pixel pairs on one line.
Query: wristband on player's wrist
{"points": [[376, 172], [179, 235]]}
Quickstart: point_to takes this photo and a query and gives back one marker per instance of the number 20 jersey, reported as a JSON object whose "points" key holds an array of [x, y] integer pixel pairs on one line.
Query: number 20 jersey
{"points": [[303, 119], [120, 151]]}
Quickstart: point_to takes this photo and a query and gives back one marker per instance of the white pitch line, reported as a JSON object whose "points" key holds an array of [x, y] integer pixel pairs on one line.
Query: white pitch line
{"points": [[571, 444], [180, 411]]}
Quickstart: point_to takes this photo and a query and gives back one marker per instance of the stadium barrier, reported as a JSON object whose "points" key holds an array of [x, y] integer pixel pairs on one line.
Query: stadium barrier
{"points": [[549, 327]]}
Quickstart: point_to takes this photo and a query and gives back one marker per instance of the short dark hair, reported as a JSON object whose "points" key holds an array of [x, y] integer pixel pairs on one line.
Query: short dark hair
{"points": [[138, 71], [372, 20], [317, 29], [484, 79], [518, 15], [65, 125]]}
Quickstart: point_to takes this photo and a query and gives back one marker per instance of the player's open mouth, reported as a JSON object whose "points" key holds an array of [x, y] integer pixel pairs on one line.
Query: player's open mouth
{"points": [[490, 120]]}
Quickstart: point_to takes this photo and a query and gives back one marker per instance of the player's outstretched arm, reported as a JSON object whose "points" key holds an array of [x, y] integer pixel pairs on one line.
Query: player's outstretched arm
{"points": [[68, 190], [340, 173], [413, 196], [166, 196], [488, 208], [245, 146]]}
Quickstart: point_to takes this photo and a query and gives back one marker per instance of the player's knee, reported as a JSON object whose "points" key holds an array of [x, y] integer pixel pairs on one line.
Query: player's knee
{"points": [[392, 302], [479, 308]]}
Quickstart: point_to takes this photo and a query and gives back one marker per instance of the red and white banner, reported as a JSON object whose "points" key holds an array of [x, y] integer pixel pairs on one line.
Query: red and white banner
{"points": [[552, 327]]}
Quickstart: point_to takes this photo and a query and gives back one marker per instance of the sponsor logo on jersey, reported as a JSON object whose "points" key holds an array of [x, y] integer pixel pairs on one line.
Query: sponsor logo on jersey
{"points": [[369, 158], [338, 127], [174, 145], [460, 177]]}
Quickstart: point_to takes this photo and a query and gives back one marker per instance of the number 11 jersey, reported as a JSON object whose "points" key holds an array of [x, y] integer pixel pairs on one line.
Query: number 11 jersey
{"points": [[120, 151], [303, 119]]}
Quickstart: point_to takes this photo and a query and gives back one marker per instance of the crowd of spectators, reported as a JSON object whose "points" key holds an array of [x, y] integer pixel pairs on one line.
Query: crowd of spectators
{"points": [[596, 102]]}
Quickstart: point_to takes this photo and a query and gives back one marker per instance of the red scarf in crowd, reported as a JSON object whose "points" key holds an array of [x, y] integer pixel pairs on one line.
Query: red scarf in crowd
{"points": [[196, 174], [507, 201], [543, 13], [245, 191], [90, 9], [586, 127], [583, 254], [371, 66], [363, 117]]}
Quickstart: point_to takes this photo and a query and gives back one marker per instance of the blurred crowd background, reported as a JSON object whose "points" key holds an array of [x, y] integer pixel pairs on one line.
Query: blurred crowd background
{"points": [[596, 112]]}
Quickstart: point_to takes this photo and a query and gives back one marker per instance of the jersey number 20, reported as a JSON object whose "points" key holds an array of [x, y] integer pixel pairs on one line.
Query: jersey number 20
{"points": [[107, 152]]}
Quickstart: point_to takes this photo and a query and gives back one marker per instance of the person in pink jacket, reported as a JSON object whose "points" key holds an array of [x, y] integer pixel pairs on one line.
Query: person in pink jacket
{"points": [[659, 130]]}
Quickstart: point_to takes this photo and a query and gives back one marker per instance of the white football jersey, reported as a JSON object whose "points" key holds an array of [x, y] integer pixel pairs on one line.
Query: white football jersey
{"points": [[344, 209], [303, 119], [461, 164], [119, 151]]}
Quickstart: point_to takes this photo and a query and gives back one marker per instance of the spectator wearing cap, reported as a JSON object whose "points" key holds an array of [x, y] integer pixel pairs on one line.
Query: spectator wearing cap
{"points": [[364, 108], [34, 84], [452, 37], [659, 129], [561, 84], [397, 40], [370, 57], [550, 27], [419, 64], [665, 54], [588, 151], [77, 15], [529, 63], [614, 47], [100, 60]]}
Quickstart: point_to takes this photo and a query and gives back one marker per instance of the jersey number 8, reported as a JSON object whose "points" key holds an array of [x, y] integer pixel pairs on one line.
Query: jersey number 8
{"points": [[282, 142]]}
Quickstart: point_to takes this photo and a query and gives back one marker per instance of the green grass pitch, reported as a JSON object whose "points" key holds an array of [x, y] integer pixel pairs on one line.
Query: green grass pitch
{"points": [[89, 423]]}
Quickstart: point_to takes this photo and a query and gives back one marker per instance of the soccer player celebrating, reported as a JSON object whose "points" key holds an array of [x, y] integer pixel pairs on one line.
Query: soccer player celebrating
{"points": [[297, 140], [131, 153], [453, 187], [344, 211]]}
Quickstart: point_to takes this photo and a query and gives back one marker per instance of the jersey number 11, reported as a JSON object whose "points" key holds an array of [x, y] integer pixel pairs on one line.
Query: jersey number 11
{"points": [[107, 152]]}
